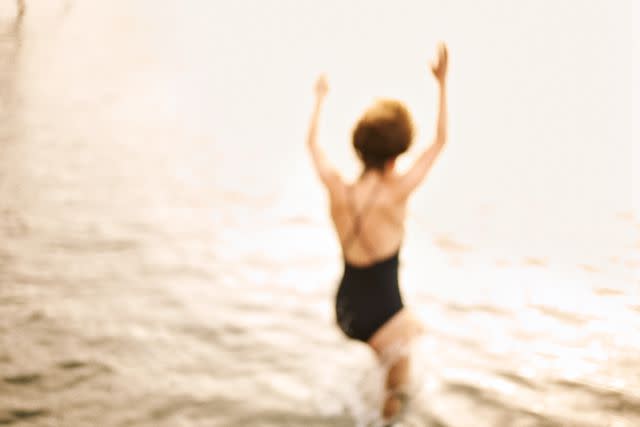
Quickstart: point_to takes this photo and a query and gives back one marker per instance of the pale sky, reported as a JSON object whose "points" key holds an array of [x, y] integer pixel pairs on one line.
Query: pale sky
{"points": [[540, 150]]}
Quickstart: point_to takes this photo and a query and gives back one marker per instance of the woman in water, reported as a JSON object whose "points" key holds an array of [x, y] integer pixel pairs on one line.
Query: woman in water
{"points": [[369, 219]]}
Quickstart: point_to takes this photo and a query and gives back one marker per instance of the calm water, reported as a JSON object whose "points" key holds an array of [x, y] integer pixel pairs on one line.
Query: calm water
{"points": [[165, 252]]}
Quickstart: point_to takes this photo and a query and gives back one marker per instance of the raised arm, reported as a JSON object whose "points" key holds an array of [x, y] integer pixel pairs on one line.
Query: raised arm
{"points": [[328, 175], [418, 171]]}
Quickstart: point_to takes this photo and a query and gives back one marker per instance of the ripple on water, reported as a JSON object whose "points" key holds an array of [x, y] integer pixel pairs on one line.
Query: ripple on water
{"points": [[494, 310], [605, 292], [22, 379], [17, 415], [608, 400], [518, 379], [563, 316]]}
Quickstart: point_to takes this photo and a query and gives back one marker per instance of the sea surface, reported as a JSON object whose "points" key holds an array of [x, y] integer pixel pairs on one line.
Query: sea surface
{"points": [[166, 256]]}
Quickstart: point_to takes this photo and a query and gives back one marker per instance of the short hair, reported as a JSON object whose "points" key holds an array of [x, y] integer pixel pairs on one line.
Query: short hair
{"points": [[383, 132]]}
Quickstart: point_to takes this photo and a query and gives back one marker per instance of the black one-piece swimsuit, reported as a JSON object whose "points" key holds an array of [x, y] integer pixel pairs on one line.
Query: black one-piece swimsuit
{"points": [[367, 296]]}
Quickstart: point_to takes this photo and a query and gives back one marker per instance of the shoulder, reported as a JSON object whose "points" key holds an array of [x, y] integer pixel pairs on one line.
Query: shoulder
{"points": [[337, 189], [395, 189]]}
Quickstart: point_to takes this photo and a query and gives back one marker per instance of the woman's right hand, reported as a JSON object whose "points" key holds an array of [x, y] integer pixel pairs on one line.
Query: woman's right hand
{"points": [[439, 66]]}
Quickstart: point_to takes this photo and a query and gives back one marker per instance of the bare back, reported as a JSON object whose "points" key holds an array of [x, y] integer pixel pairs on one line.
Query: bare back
{"points": [[369, 218], [369, 214]]}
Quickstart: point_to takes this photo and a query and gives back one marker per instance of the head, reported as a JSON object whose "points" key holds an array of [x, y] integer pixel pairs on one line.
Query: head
{"points": [[383, 133]]}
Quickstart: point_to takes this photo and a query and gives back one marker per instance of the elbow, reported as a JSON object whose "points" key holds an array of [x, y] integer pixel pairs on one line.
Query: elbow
{"points": [[311, 141], [443, 135]]}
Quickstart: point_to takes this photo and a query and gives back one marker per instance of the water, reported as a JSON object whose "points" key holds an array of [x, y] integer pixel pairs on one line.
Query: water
{"points": [[157, 269]]}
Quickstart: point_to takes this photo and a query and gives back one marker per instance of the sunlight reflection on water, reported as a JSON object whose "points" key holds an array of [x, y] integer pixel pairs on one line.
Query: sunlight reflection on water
{"points": [[163, 240]]}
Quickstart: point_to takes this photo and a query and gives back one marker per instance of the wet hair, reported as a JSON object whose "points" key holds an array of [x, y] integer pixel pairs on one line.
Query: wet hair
{"points": [[383, 132]]}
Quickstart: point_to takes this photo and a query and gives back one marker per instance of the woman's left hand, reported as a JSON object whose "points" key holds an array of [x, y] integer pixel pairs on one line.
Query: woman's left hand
{"points": [[322, 87]]}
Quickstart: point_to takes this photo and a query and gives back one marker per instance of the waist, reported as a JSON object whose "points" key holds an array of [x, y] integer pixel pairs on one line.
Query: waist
{"points": [[390, 261]]}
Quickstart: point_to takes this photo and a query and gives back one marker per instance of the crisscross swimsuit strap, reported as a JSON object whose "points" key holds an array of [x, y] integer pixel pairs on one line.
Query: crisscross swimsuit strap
{"points": [[358, 218]]}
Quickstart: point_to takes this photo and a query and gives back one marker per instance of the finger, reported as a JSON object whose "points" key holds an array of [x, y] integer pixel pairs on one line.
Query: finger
{"points": [[439, 53]]}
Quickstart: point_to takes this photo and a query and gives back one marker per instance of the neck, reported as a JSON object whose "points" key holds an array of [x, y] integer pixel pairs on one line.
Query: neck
{"points": [[386, 170]]}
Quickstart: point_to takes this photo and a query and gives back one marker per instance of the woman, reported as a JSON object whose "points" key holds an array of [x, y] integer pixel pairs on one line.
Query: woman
{"points": [[369, 219]]}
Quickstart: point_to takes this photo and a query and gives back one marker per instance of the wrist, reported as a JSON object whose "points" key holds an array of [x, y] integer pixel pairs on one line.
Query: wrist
{"points": [[319, 103]]}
